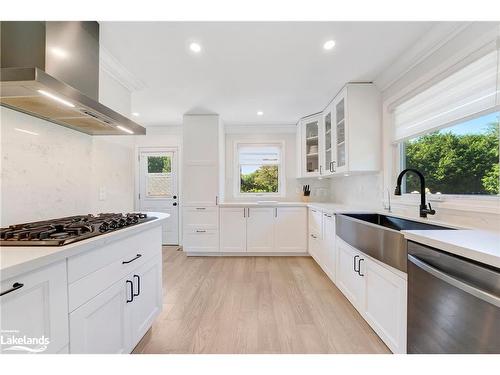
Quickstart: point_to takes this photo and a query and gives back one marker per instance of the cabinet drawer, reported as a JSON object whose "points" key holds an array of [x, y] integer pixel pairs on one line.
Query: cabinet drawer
{"points": [[201, 240], [104, 274], [144, 243], [201, 217]]}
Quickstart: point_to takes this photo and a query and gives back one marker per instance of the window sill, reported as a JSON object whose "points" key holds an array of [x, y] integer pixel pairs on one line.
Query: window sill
{"points": [[485, 204]]}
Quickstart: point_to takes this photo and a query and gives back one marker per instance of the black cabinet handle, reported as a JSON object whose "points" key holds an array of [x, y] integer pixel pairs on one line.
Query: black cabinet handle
{"points": [[131, 291], [15, 286], [138, 285], [355, 270], [131, 260], [359, 268]]}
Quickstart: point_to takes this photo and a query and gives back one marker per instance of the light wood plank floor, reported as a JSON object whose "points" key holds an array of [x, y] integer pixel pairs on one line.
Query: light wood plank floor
{"points": [[254, 305]]}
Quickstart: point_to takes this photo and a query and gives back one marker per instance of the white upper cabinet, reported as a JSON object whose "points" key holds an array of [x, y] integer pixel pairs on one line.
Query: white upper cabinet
{"points": [[329, 150], [357, 124], [346, 137], [311, 145]]}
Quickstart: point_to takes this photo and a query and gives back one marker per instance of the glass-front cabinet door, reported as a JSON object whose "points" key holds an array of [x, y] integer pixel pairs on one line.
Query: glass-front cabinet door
{"points": [[340, 133], [311, 146], [329, 154]]}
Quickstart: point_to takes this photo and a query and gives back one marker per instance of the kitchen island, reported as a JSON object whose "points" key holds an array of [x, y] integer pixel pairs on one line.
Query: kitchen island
{"points": [[98, 295]]}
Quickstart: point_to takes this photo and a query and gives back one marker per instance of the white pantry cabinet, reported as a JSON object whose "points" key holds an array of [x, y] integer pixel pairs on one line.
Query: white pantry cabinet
{"points": [[42, 298], [378, 293], [263, 229]]}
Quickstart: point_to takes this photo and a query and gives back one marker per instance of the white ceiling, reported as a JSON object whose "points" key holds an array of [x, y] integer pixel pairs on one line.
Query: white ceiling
{"points": [[277, 67]]}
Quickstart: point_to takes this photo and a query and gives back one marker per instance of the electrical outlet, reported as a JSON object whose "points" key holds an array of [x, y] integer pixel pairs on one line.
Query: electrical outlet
{"points": [[102, 193]]}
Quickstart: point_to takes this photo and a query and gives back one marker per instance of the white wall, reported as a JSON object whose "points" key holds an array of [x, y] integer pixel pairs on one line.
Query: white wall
{"points": [[263, 134], [43, 176]]}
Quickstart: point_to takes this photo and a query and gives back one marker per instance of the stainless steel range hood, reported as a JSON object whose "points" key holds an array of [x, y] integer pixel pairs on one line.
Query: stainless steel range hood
{"points": [[51, 70]]}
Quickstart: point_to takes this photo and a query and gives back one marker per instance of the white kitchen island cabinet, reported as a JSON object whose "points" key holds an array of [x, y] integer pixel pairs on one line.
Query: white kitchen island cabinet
{"points": [[35, 305]]}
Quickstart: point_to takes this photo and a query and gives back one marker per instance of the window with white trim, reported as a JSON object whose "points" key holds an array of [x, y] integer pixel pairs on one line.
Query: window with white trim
{"points": [[260, 169], [450, 132]]}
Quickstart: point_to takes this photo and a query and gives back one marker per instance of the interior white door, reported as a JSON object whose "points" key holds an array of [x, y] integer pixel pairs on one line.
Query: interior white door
{"points": [[158, 189], [233, 230], [260, 229]]}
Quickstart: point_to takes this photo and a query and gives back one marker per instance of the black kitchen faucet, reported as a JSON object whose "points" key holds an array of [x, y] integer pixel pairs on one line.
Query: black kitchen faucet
{"points": [[424, 210]]}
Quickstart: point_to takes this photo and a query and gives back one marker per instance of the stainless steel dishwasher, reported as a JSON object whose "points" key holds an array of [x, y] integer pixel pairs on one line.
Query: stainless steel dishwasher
{"points": [[453, 303]]}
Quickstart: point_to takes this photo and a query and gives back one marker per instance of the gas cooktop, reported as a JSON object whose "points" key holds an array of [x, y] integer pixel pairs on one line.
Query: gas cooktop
{"points": [[59, 232]]}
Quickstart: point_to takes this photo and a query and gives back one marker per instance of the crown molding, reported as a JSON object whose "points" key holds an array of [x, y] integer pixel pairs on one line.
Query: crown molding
{"points": [[259, 128], [116, 70]]}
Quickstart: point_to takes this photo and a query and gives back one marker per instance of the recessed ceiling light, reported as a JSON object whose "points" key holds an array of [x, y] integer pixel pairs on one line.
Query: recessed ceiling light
{"points": [[329, 44], [56, 98], [124, 129], [136, 114], [195, 47], [260, 113]]}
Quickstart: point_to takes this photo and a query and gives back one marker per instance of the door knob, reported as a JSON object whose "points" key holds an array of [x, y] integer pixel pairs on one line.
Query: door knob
{"points": [[174, 197], [174, 204]]}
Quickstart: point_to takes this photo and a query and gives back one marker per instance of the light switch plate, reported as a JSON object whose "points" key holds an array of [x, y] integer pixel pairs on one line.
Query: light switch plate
{"points": [[102, 193]]}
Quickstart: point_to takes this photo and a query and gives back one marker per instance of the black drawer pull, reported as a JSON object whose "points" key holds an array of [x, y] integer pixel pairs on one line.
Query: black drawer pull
{"points": [[356, 270], [131, 291], [138, 285], [359, 267], [15, 286], [131, 260]]}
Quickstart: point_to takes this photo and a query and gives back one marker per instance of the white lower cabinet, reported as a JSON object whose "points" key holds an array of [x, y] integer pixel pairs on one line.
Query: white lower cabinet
{"points": [[378, 293], [385, 305], [200, 229], [290, 226], [263, 229], [42, 298], [115, 320], [147, 301], [260, 230], [233, 233], [348, 279], [101, 326], [322, 240]]}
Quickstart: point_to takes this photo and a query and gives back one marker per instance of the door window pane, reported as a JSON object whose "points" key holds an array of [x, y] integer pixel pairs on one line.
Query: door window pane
{"points": [[159, 180]]}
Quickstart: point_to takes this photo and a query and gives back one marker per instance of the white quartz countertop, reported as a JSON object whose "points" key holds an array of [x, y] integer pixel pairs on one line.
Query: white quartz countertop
{"points": [[481, 246], [263, 204], [15, 260]]}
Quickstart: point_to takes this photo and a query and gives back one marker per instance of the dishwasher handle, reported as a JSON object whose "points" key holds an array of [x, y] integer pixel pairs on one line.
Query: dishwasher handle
{"points": [[481, 294]]}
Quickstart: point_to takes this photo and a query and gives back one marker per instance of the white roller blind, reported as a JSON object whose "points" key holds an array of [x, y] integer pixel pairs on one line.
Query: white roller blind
{"points": [[259, 154], [466, 92]]}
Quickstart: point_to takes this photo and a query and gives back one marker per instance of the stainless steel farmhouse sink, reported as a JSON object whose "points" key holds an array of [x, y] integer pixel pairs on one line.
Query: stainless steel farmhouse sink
{"points": [[379, 236]]}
